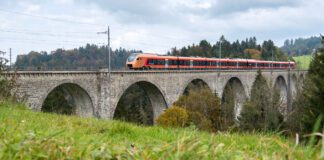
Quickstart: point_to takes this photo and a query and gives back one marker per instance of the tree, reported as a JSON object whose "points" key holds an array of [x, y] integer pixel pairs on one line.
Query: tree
{"points": [[203, 108], [173, 117], [134, 106], [261, 111], [316, 89], [6, 84], [254, 53], [299, 120], [227, 108]]}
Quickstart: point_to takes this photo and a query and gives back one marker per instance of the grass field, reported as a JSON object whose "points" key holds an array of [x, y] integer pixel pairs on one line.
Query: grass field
{"points": [[303, 61], [29, 135]]}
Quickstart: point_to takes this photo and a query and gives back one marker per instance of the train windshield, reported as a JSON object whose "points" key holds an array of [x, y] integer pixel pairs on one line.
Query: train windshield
{"points": [[132, 57]]}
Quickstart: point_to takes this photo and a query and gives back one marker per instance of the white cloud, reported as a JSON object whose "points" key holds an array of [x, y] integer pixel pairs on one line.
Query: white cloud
{"points": [[29, 7], [33, 8], [65, 2]]}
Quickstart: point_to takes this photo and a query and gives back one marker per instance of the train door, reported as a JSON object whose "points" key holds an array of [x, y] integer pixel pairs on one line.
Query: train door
{"points": [[191, 63], [166, 63]]}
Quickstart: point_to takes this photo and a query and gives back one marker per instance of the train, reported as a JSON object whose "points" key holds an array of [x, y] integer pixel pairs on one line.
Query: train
{"points": [[150, 61]]}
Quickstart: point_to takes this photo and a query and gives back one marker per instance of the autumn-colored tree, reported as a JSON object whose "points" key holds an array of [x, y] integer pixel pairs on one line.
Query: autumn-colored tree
{"points": [[203, 108], [254, 53], [173, 117]]}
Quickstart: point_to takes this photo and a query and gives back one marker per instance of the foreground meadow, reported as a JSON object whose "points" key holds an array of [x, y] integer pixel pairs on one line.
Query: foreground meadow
{"points": [[33, 135]]}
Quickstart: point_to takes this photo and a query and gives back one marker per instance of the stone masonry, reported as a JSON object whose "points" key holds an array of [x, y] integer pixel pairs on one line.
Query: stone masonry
{"points": [[96, 94]]}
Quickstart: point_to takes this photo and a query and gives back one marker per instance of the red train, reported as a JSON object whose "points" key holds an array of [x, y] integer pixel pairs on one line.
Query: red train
{"points": [[154, 61]]}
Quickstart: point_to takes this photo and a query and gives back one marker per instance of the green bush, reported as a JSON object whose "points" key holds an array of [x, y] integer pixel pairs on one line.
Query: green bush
{"points": [[203, 108], [249, 118], [200, 122], [173, 117]]}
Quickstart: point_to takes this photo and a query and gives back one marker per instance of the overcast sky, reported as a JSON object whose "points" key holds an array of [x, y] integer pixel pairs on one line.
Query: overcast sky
{"points": [[152, 25]]}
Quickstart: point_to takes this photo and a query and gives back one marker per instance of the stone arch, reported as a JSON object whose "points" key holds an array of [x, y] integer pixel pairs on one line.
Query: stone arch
{"points": [[238, 92], [281, 86], [197, 82], [154, 93], [77, 97]]}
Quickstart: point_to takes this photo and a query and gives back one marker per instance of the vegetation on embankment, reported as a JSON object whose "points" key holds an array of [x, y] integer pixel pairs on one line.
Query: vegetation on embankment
{"points": [[34, 135], [303, 61]]}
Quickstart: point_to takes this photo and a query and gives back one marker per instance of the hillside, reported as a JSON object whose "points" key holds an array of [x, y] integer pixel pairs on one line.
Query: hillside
{"points": [[303, 61], [28, 135], [301, 46]]}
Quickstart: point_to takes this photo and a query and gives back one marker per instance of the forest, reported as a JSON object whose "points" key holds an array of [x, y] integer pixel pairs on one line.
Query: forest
{"points": [[301, 46], [89, 57]]}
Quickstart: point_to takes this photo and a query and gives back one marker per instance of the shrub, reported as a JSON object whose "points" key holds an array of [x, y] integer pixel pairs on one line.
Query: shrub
{"points": [[249, 118], [200, 122], [203, 108], [173, 117]]}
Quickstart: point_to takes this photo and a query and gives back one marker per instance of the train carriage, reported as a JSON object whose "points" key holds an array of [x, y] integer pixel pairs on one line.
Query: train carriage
{"points": [[154, 61]]}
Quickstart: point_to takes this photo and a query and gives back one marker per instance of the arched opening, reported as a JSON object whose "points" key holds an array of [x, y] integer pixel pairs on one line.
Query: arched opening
{"points": [[196, 84], [233, 99], [68, 99], [281, 87], [141, 103]]}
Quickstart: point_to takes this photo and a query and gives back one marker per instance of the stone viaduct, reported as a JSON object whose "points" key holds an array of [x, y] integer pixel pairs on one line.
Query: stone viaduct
{"points": [[97, 93]]}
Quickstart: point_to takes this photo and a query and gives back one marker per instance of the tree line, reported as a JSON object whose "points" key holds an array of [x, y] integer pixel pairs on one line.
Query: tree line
{"points": [[248, 49], [301, 46], [89, 56]]}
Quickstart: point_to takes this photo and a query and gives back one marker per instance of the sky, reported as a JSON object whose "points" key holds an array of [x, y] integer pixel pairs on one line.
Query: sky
{"points": [[152, 25]]}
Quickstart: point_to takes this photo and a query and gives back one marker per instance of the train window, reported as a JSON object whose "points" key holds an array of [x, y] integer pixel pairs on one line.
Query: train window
{"points": [[231, 64], [242, 64], [150, 62], [173, 62], [252, 64], [181, 63], [196, 63], [160, 62]]}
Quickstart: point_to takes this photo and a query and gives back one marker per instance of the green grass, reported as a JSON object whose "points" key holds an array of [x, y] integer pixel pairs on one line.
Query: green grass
{"points": [[33, 135], [303, 61]]}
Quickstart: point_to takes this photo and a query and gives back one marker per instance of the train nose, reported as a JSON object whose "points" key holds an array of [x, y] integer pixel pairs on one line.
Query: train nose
{"points": [[129, 66]]}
